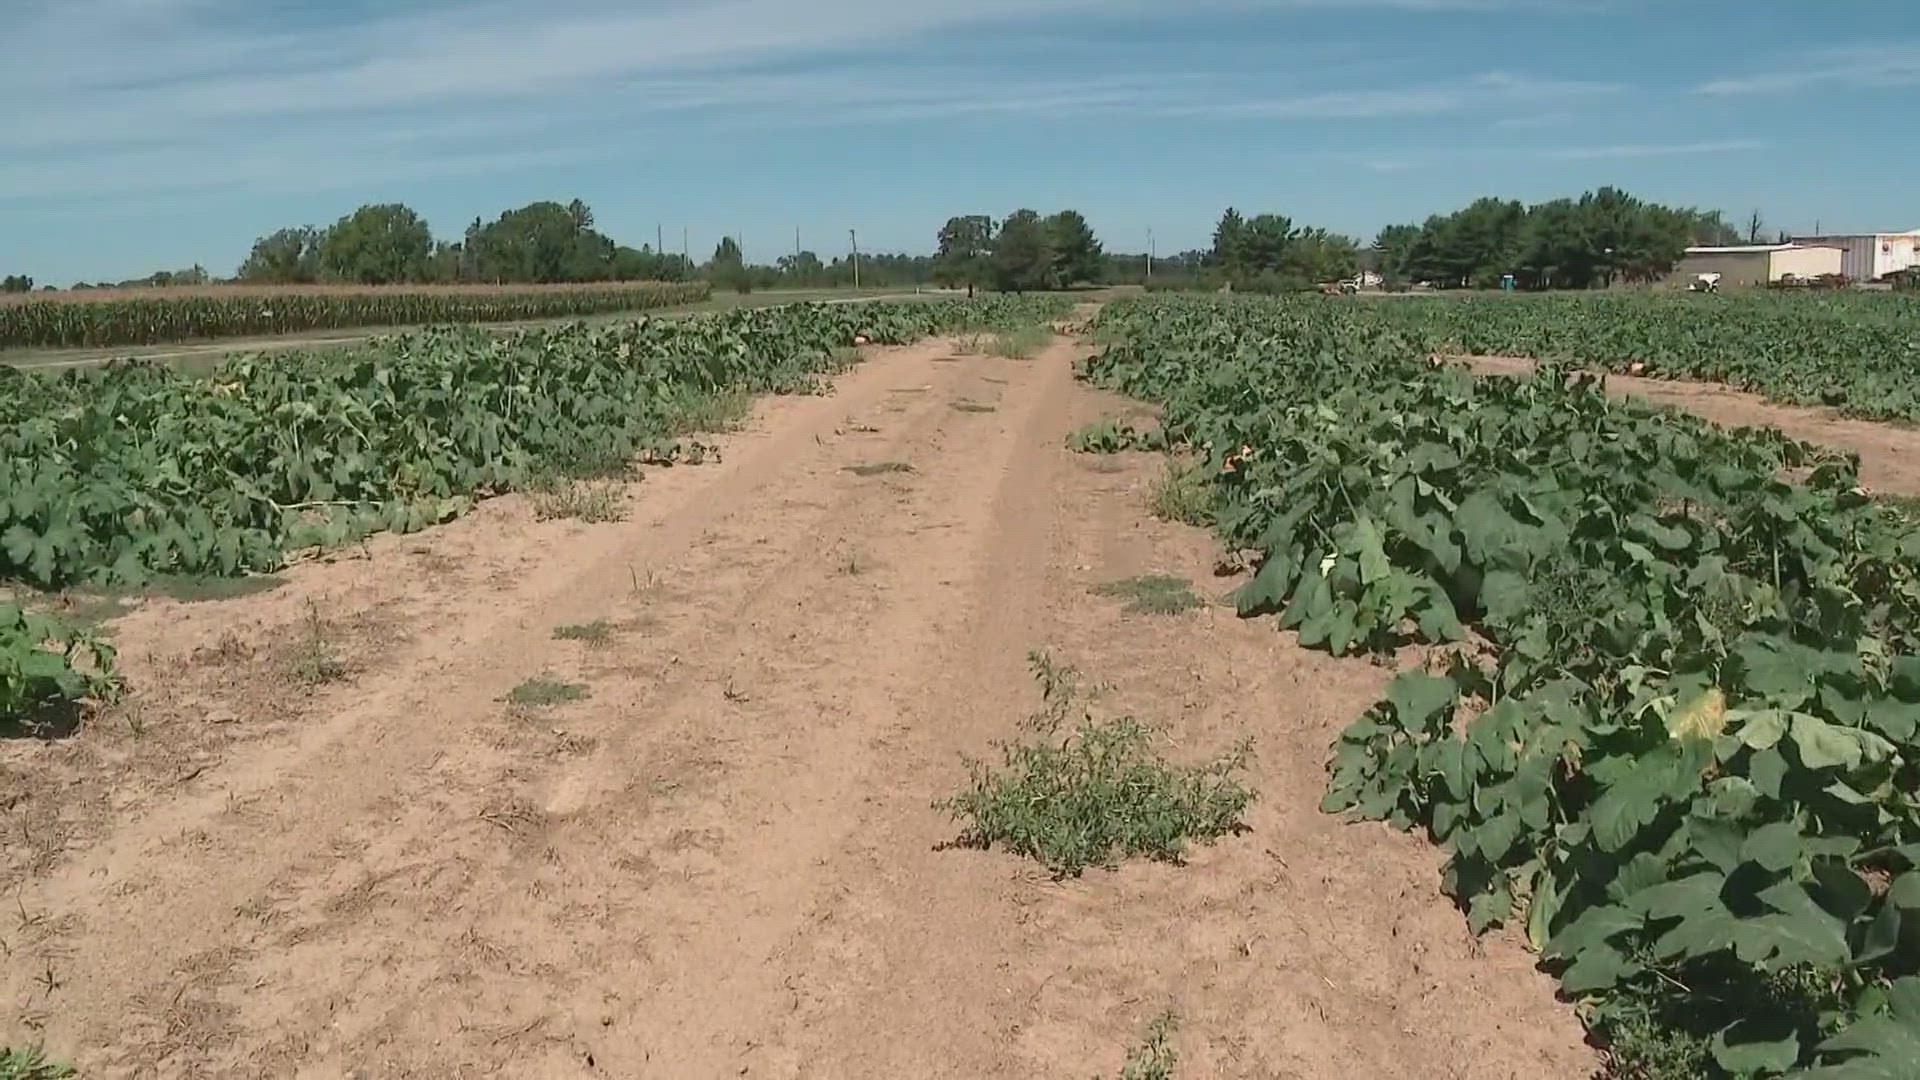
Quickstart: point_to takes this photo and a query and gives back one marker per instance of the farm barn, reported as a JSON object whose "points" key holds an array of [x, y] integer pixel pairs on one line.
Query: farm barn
{"points": [[1758, 264], [1871, 256]]}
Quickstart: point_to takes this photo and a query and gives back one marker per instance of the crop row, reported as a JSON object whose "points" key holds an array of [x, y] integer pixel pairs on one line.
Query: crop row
{"points": [[171, 317], [109, 477], [1854, 351], [1670, 723]]}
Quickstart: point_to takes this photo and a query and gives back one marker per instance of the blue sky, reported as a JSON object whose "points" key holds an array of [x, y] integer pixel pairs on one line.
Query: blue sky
{"points": [[154, 134]]}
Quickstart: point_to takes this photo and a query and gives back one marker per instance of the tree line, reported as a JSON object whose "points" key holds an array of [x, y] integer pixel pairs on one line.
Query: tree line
{"points": [[1025, 252], [1600, 238], [391, 244]]}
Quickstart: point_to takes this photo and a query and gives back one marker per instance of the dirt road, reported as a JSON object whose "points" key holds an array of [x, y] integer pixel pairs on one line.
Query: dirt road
{"points": [[1889, 453], [724, 862]]}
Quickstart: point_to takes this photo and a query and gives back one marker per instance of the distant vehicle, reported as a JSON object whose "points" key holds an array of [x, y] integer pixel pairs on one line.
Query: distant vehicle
{"points": [[1704, 283]]}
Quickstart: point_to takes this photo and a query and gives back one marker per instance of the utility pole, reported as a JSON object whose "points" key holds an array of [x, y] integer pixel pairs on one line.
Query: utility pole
{"points": [[854, 238], [1151, 253], [686, 252], [659, 240]]}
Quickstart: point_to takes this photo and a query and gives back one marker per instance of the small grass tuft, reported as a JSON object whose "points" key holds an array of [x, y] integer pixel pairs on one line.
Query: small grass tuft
{"points": [[708, 413], [541, 692], [1022, 344], [316, 662], [879, 468], [1153, 594], [1083, 792], [30, 1063], [1183, 494], [1154, 1058], [588, 501], [597, 633]]}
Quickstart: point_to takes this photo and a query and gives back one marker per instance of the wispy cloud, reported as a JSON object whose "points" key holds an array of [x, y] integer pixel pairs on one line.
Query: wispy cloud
{"points": [[1649, 150], [143, 95], [1882, 66]]}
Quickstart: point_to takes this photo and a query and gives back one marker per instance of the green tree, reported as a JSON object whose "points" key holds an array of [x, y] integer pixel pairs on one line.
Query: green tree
{"points": [[542, 242], [16, 283], [286, 257], [965, 253], [802, 269], [1227, 241], [728, 267], [1076, 251], [1023, 253], [1391, 250], [377, 245]]}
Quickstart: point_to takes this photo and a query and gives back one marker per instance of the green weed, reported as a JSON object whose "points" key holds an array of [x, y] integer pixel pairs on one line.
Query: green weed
{"points": [[1154, 1058], [1183, 494], [30, 1064], [1022, 344], [598, 632], [879, 468], [315, 660], [707, 413], [1153, 594], [1083, 792], [588, 501], [541, 692]]}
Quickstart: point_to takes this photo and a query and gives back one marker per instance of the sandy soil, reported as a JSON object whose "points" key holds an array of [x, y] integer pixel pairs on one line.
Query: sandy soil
{"points": [[1889, 454], [725, 861]]}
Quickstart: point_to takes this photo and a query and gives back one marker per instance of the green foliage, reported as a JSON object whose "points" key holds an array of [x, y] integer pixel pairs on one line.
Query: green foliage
{"points": [[286, 257], [597, 632], [1023, 343], [541, 692], [965, 253], [1023, 254], [114, 476], [47, 666], [1153, 594], [145, 320], [1083, 792], [1155, 1058], [1684, 756], [879, 468], [30, 1063], [16, 283], [377, 245], [1076, 253], [1110, 435], [1602, 237], [1183, 494], [1853, 351]]}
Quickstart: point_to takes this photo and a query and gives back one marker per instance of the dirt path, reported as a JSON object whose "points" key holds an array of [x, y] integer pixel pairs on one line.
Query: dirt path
{"points": [[1889, 454], [724, 862]]}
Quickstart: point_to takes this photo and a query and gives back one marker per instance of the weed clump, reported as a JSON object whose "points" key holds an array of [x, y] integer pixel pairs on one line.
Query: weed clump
{"points": [[1022, 344], [541, 692], [1153, 594], [879, 468], [1154, 1058], [1081, 792], [1183, 495], [591, 502], [597, 632], [30, 1063]]}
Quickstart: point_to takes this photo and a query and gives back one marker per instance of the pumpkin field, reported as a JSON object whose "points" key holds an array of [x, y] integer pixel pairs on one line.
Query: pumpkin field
{"points": [[647, 699]]}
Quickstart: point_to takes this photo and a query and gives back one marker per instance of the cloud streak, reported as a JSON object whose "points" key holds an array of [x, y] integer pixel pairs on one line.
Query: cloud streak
{"points": [[1864, 67]]}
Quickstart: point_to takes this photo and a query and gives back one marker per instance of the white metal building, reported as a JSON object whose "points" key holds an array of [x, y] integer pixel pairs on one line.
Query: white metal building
{"points": [[1872, 256], [1759, 264]]}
